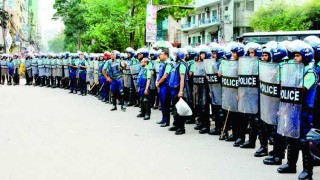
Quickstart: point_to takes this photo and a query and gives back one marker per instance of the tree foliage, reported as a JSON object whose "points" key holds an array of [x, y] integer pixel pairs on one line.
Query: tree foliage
{"points": [[282, 15], [99, 25]]}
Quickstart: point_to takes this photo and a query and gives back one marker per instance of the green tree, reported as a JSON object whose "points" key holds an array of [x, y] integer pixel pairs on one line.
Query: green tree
{"points": [[281, 15], [98, 25], [57, 44]]}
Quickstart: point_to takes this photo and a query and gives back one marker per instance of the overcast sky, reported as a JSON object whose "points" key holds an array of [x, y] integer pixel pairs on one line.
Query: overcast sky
{"points": [[45, 14]]}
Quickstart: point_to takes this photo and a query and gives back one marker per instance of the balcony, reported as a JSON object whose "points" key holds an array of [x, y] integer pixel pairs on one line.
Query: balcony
{"points": [[202, 23]]}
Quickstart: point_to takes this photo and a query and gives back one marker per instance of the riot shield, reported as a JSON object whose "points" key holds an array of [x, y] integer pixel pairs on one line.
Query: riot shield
{"points": [[41, 67], [96, 70], [135, 69], [127, 79], [59, 67], [199, 82], [248, 90], [269, 75], [66, 67], [214, 81], [290, 100], [229, 83], [54, 67]]}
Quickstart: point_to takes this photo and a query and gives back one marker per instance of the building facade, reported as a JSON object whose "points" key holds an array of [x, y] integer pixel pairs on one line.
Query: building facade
{"points": [[218, 21]]}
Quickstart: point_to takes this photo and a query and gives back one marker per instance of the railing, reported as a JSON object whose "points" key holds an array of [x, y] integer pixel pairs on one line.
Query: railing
{"points": [[201, 22]]}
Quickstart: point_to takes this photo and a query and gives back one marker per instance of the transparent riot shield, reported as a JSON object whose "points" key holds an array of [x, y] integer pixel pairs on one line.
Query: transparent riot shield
{"points": [[135, 69], [214, 81], [269, 75], [248, 90], [290, 100], [229, 83]]}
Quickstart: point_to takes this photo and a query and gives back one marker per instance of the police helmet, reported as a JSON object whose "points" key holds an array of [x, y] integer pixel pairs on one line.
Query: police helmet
{"points": [[236, 47], [255, 46]]}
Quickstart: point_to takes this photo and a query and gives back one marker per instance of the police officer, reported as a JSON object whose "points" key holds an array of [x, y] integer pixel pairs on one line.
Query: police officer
{"points": [[163, 82], [35, 71], [229, 73], [314, 42], [66, 71], [42, 70], [177, 83], [104, 85], [112, 71], [128, 81], [48, 69], [59, 70], [10, 71], [73, 67], [94, 90], [17, 63], [83, 66], [214, 82], [4, 68], [28, 69], [142, 53], [143, 82], [190, 59], [154, 55], [274, 53], [201, 91], [257, 127], [303, 54]]}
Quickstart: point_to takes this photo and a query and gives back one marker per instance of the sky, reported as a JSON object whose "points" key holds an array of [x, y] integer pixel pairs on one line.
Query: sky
{"points": [[48, 26]]}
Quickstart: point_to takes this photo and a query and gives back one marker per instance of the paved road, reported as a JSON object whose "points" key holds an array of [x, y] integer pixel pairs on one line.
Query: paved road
{"points": [[48, 134]]}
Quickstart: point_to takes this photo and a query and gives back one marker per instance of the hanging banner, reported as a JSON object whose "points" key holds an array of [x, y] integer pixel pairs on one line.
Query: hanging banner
{"points": [[151, 23]]}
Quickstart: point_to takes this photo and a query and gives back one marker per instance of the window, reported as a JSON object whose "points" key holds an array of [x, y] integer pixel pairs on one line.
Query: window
{"points": [[189, 40], [214, 14], [250, 5], [194, 40], [194, 19], [209, 38]]}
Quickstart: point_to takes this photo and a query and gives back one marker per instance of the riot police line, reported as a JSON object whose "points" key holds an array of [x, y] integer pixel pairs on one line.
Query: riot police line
{"points": [[269, 92]]}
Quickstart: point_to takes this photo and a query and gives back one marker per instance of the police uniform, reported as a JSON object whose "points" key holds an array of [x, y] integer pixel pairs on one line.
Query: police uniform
{"points": [[59, 70], [103, 84], [73, 66], [16, 63], [28, 71], [42, 70], [165, 68], [4, 69], [180, 68], [53, 67], [188, 90], [66, 72], [35, 71], [83, 76], [113, 69], [11, 71], [129, 88], [143, 77], [48, 70]]}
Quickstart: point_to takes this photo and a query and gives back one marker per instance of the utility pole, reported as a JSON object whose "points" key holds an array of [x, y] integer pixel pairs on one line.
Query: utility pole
{"points": [[222, 20]]}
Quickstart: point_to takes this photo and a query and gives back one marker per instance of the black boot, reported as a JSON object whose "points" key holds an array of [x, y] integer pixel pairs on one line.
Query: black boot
{"points": [[180, 131], [251, 143], [293, 153], [307, 159], [147, 109], [114, 102], [263, 137], [272, 160], [142, 111]]}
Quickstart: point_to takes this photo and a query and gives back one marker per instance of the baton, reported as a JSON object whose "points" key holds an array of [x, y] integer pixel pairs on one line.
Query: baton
{"points": [[225, 123], [93, 85], [101, 87]]}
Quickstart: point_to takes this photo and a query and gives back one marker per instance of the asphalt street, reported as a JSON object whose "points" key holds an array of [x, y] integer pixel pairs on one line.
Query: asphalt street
{"points": [[49, 134]]}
